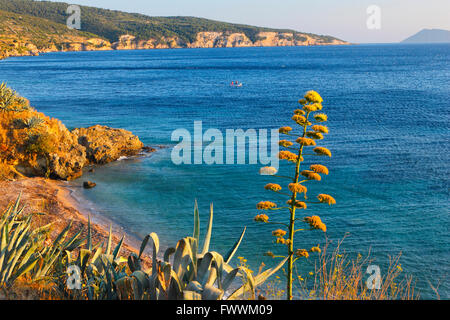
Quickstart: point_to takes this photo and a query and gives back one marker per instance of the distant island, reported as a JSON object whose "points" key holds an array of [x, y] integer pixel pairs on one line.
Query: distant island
{"points": [[30, 27], [429, 36]]}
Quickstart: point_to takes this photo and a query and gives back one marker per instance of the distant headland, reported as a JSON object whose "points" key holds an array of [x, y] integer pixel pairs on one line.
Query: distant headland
{"points": [[31, 27], [429, 36]]}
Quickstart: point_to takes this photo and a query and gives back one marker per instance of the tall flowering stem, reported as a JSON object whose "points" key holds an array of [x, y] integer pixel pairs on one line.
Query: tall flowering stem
{"points": [[307, 118]]}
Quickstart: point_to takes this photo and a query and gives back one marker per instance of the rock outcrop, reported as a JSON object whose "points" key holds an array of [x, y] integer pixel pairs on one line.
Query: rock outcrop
{"points": [[104, 144], [226, 40], [34, 145]]}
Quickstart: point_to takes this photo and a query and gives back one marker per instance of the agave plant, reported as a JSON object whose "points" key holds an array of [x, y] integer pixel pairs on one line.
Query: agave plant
{"points": [[10, 101], [22, 249], [99, 267], [33, 122], [18, 244], [185, 273]]}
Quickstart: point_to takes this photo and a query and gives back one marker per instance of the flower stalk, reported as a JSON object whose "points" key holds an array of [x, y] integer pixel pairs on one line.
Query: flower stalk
{"points": [[311, 132]]}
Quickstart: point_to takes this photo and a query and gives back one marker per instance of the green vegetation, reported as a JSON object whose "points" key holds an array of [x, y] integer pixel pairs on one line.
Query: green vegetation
{"points": [[185, 273], [11, 101], [20, 34], [112, 24]]}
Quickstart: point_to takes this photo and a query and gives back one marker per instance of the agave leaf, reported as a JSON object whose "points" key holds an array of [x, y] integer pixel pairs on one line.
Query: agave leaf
{"points": [[144, 243], [155, 240], [193, 244], [72, 243], [142, 279], [89, 234], [204, 268], [97, 254], [194, 286], [183, 257], [168, 253], [17, 203], [233, 250], [212, 293], [250, 282], [124, 287], [117, 248], [134, 262], [208, 232], [218, 265], [191, 295], [25, 268], [175, 291], [83, 257], [108, 247], [229, 278], [196, 223], [262, 277], [62, 235]]}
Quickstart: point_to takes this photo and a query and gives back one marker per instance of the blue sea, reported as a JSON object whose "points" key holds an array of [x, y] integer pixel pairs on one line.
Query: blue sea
{"points": [[388, 110]]}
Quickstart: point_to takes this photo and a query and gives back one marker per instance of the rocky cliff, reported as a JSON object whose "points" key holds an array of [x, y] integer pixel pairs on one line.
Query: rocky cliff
{"points": [[32, 144], [226, 40]]}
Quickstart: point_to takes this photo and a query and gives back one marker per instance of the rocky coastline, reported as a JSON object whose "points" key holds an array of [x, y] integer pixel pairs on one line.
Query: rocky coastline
{"points": [[24, 47], [37, 155]]}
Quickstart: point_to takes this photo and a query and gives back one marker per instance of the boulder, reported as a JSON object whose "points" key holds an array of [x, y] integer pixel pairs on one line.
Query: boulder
{"points": [[104, 144], [89, 184]]}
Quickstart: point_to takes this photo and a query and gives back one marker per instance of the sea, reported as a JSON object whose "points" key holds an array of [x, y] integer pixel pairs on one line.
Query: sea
{"points": [[388, 117]]}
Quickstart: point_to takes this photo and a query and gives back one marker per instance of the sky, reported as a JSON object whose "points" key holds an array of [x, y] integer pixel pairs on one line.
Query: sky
{"points": [[345, 19]]}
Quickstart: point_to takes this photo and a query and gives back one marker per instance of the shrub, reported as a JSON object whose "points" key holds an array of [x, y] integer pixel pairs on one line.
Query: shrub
{"points": [[10, 101]]}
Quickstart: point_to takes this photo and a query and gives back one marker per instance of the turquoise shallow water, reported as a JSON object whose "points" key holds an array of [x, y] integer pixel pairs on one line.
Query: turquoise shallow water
{"points": [[388, 107]]}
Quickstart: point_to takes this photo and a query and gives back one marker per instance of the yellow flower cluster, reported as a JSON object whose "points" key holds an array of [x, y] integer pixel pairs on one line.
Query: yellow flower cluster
{"points": [[285, 130], [297, 204], [302, 101], [318, 168], [278, 233], [300, 112], [302, 253], [312, 107], [287, 155], [306, 141], [265, 205], [321, 117], [269, 254], [283, 241], [322, 151], [313, 96], [316, 223], [297, 187], [261, 218], [319, 128], [285, 143], [326, 198], [272, 187], [314, 135], [316, 249], [311, 175], [301, 120]]}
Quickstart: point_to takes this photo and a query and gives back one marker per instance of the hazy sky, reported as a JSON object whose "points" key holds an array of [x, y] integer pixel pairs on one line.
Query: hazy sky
{"points": [[345, 19]]}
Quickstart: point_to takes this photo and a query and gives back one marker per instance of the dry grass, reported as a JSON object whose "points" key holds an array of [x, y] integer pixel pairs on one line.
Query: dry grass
{"points": [[337, 277]]}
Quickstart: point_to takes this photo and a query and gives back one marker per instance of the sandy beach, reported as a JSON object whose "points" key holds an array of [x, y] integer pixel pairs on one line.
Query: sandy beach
{"points": [[53, 201]]}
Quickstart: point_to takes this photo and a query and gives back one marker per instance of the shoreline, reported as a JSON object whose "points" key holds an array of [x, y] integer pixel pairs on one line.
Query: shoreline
{"points": [[39, 52], [55, 202]]}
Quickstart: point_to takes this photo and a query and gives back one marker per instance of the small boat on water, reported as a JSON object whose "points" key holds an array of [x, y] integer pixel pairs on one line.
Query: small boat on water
{"points": [[236, 84]]}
